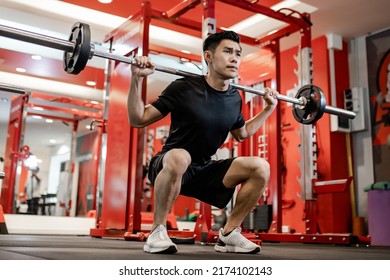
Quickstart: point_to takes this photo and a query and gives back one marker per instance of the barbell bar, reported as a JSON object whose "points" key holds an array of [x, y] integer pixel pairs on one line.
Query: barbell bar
{"points": [[308, 106]]}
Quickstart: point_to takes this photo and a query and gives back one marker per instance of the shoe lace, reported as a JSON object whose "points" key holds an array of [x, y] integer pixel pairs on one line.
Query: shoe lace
{"points": [[159, 234], [238, 239]]}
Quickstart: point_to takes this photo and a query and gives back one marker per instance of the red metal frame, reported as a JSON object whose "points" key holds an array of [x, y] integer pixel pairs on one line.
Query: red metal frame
{"points": [[260, 9], [274, 133], [137, 144], [181, 8], [13, 153], [121, 216], [16, 126], [313, 233], [203, 224], [97, 156], [185, 56]]}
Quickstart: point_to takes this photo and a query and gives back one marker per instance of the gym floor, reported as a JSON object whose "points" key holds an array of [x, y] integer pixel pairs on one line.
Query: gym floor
{"points": [[65, 247]]}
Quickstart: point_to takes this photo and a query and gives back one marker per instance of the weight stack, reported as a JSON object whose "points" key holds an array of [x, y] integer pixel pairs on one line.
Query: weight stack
{"points": [[259, 219]]}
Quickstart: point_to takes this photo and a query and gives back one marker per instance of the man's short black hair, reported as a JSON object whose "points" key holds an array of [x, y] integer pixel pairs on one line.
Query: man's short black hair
{"points": [[213, 40]]}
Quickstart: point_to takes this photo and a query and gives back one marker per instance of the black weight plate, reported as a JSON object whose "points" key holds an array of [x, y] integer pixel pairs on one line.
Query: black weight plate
{"points": [[314, 108], [75, 62]]}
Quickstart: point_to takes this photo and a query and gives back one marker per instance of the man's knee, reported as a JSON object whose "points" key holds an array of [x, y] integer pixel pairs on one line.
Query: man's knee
{"points": [[258, 168], [263, 168], [176, 161]]}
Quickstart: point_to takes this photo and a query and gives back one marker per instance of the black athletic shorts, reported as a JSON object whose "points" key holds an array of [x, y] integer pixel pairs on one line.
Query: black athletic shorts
{"points": [[203, 182]]}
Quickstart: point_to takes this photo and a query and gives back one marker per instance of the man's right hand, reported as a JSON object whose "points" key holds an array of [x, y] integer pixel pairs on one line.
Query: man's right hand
{"points": [[144, 66]]}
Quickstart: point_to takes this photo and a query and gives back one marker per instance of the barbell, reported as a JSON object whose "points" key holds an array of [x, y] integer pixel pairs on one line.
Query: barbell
{"points": [[309, 103]]}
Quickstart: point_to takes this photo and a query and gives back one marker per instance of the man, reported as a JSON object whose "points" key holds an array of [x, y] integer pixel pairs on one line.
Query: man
{"points": [[204, 109], [33, 191]]}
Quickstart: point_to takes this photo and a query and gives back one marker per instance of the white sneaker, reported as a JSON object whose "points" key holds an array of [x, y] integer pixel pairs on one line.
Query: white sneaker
{"points": [[235, 242], [159, 242]]}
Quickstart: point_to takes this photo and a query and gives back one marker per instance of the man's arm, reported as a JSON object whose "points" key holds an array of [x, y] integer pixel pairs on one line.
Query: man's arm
{"points": [[253, 124], [139, 114]]}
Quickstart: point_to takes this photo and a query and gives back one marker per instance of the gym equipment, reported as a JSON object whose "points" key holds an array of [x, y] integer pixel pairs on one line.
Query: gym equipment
{"points": [[309, 102], [74, 62], [314, 107]]}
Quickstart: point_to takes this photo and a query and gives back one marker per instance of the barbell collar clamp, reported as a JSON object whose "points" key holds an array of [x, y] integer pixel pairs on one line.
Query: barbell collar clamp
{"points": [[303, 102]]}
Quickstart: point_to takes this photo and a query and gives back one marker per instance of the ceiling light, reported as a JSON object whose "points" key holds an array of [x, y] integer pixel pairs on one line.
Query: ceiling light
{"points": [[52, 141], [21, 70], [49, 120], [37, 117], [75, 12], [31, 162], [36, 57], [105, 1], [37, 108], [94, 102], [185, 51], [63, 150], [91, 83], [272, 32]]}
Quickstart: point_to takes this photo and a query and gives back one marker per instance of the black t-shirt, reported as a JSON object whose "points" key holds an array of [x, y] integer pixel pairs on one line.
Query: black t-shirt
{"points": [[201, 117]]}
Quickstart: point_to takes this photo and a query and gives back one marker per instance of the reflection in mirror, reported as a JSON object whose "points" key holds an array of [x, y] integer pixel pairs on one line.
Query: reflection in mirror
{"points": [[57, 144], [5, 106], [49, 142]]}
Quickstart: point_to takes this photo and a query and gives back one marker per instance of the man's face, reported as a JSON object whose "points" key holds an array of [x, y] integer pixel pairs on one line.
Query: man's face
{"points": [[226, 59]]}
